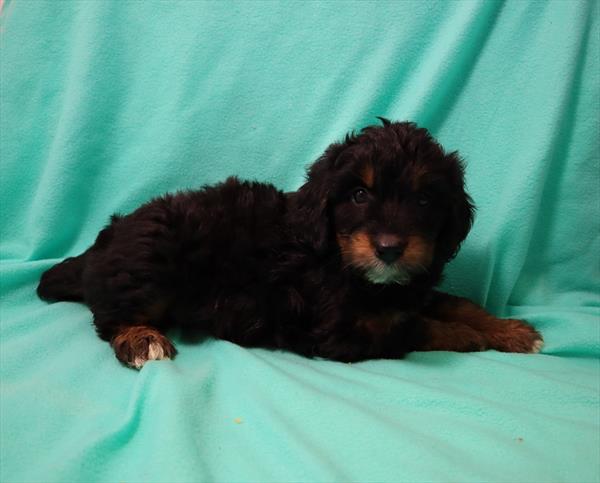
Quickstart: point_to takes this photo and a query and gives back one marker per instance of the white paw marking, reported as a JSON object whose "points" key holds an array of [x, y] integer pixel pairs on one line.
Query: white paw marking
{"points": [[537, 346], [156, 352]]}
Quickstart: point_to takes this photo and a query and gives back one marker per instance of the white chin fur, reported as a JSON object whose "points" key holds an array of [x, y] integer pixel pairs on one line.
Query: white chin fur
{"points": [[386, 274]]}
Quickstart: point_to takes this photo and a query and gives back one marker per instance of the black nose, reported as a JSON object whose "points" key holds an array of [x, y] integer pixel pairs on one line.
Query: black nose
{"points": [[389, 248]]}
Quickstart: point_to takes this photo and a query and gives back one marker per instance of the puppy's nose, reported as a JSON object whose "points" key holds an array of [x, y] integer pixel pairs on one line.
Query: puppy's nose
{"points": [[389, 248]]}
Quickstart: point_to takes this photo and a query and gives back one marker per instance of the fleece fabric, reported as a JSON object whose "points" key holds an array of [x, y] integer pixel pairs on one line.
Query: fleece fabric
{"points": [[105, 104]]}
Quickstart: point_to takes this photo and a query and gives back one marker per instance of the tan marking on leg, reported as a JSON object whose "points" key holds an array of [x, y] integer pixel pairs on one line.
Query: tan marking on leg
{"points": [[135, 345], [452, 336], [505, 335]]}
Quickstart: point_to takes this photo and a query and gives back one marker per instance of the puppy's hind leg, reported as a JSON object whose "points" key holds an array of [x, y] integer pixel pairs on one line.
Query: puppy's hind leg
{"points": [[133, 320], [130, 282]]}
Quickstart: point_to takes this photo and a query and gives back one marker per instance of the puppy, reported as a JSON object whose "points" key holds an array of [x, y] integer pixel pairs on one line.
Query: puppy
{"points": [[344, 268]]}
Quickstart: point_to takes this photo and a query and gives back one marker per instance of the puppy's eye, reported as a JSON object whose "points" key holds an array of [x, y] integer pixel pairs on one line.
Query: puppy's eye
{"points": [[423, 199], [360, 196]]}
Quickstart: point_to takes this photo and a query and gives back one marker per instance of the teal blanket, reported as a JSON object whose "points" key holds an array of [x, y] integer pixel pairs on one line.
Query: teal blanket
{"points": [[108, 103]]}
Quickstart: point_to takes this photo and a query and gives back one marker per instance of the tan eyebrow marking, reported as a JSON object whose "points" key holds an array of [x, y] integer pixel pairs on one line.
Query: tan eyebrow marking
{"points": [[368, 175], [419, 177]]}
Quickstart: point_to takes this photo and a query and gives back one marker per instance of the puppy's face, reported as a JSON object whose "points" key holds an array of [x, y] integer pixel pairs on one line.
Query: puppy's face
{"points": [[394, 202], [388, 210]]}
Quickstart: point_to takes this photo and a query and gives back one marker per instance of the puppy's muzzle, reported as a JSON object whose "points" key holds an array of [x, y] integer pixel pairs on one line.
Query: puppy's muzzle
{"points": [[389, 248]]}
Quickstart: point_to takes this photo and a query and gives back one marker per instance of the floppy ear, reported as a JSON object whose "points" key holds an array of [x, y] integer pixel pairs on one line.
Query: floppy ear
{"points": [[460, 217], [309, 207]]}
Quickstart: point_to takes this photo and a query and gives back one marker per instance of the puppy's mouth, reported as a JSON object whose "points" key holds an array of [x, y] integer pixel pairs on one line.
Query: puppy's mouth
{"points": [[385, 263]]}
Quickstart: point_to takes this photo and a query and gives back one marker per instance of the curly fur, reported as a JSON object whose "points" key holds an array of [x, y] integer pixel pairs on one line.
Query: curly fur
{"points": [[344, 268]]}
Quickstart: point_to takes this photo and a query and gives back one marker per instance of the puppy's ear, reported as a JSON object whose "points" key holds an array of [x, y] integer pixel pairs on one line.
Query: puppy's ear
{"points": [[309, 210], [462, 210]]}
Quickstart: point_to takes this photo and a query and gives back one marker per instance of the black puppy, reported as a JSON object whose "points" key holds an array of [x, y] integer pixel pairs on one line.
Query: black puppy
{"points": [[344, 268]]}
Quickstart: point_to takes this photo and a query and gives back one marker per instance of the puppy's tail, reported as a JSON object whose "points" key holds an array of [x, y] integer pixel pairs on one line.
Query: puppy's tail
{"points": [[63, 281]]}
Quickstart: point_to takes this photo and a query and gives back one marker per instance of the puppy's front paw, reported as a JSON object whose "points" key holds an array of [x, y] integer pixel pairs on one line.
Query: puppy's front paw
{"points": [[517, 336], [136, 345]]}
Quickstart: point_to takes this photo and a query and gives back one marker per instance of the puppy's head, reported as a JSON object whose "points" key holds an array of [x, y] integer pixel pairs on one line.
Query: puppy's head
{"points": [[389, 199]]}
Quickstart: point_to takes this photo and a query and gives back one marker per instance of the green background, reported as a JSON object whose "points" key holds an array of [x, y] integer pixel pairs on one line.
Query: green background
{"points": [[105, 104]]}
